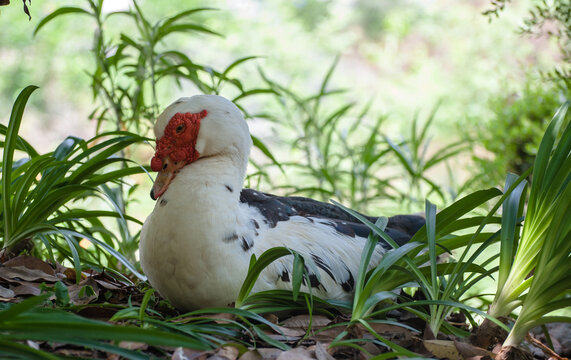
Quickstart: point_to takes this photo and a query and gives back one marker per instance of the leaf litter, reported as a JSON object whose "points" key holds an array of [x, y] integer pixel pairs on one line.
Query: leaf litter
{"points": [[100, 295]]}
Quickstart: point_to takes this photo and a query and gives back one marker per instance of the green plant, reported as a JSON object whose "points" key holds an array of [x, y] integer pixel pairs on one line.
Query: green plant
{"points": [[128, 69], [342, 152], [412, 156], [540, 262], [442, 284], [546, 18], [132, 67], [519, 120], [24, 321], [328, 165], [38, 192]]}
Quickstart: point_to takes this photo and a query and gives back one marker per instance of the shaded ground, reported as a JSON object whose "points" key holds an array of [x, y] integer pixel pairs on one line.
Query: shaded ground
{"points": [[103, 295]]}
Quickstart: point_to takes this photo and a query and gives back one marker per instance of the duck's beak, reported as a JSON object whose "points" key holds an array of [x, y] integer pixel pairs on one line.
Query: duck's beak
{"points": [[165, 176]]}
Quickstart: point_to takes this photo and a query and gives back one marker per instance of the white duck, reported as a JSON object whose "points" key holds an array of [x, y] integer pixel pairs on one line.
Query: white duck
{"points": [[197, 243]]}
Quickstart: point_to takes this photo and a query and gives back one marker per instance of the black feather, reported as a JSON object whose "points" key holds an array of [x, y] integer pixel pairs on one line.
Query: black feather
{"points": [[274, 208]]}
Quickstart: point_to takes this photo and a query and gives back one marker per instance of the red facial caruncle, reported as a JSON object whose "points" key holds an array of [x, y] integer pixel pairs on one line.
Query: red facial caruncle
{"points": [[179, 139], [175, 149]]}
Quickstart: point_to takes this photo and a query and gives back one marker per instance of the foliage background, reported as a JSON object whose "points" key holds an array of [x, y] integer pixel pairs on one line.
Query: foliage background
{"points": [[403, 57]]}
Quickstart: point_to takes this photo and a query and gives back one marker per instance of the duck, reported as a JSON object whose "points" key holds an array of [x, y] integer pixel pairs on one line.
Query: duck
{"points": [[196, 245]]}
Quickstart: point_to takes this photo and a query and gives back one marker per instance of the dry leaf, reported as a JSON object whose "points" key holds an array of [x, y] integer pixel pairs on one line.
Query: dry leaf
{"points": [[321, 352], [374, 349], [287, 331], [251, 355], [74, 353], [273, 318], [17, 273], [269, 353], [398, 334], [107, 285], [302, 321], [327, 336], [298, 353], [469, 350], [283, 338], [189, 354], [6, 293], [27, 288], [132, 345], [69, 274], [443, 349], [80, 294], [30, 262], [228, 352]]}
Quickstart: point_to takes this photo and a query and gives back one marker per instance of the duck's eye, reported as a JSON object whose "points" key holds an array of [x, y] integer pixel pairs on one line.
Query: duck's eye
{"points": [[180, 128]]}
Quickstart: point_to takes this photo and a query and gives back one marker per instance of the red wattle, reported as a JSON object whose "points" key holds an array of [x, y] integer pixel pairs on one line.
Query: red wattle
{"points": [[156, 164]]}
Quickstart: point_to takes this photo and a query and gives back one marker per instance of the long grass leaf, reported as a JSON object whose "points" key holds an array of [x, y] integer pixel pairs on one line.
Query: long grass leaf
{"points": [[60, 11], [8, 157]]}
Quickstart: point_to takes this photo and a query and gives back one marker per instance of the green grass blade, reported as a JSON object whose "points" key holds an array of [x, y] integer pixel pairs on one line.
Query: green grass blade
{"points": [[431, 234], [14, 350], [256, 267], [508, 239], [21, 307], [8, 158], [59, 12]]}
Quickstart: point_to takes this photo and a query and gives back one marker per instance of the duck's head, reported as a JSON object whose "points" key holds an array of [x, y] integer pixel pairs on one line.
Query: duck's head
{"points": [[193, 128]]}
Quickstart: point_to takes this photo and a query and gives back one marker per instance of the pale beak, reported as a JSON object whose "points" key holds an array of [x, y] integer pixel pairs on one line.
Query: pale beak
{"points": [[165, 176]]}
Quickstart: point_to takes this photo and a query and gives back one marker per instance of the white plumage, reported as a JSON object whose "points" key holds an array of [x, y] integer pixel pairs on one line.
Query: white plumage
{"points": [[197, 243]]}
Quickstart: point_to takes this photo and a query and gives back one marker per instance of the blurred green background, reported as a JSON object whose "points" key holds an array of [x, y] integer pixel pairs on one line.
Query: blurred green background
{"points": [[402, 58]]}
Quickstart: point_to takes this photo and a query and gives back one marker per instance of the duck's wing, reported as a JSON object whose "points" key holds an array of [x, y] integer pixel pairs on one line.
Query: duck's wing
{"points": [[275, 208]]}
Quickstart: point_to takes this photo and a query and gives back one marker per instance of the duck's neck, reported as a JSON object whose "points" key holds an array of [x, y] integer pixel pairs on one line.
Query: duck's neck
{"points": [[221, 175]]}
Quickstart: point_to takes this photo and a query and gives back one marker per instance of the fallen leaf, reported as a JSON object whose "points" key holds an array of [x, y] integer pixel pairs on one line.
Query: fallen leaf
{"points": [[251, 355], [443, 349], [27, 288], [328, 335], [228, 352], [269, 353], [22, 273], [69, 274], [189, 354], [31, 262], [469, 350], [298, 353], [107, 285], [6, 293], [84, 292], [397, 334], [75, 353], [373, 349], [321, 352], [282, 338], [288, 331], [273, 318], [133, 345], [302, 321]]}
